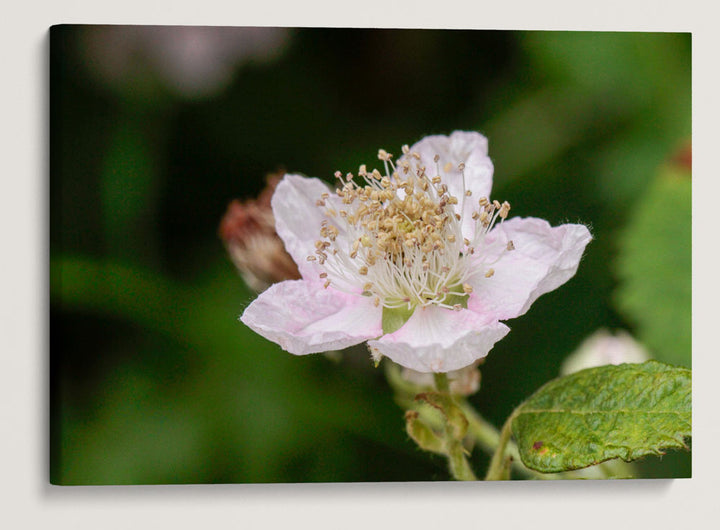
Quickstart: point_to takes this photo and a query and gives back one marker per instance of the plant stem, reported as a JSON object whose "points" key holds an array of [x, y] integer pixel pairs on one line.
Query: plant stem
{"points": [[457, 462], [487, 437], [442, 383], [498, 464]]}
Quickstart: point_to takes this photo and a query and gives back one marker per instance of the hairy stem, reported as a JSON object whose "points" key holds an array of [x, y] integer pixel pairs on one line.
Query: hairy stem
{"points": [[498, 465], [457, 461], [442, 383], [487, 437]]}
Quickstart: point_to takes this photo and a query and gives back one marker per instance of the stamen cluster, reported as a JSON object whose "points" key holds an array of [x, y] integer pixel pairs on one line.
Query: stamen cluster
{"points": [[401, 237]]}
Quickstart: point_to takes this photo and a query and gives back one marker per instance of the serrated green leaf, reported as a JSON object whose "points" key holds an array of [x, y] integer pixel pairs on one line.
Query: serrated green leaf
{"points": [[655, 267], [626, 411]]}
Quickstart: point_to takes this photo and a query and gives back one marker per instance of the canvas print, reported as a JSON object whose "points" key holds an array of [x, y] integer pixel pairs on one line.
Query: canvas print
{"points": [[291, 255]]}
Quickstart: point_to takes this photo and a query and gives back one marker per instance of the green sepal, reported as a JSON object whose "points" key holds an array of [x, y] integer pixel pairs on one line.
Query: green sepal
{"points": [[394, 318], [423, 435], [456, 422], [454, 299]]}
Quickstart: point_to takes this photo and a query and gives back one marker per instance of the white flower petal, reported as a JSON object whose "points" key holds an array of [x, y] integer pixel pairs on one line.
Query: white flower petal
{"points": [[544, 258], [303, 318], [298, 218], [602, 348], [470, 148], [435, 339]]}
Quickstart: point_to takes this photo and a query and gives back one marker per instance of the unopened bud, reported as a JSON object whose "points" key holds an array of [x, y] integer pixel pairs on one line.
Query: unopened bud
{"points": [[248, 231]]}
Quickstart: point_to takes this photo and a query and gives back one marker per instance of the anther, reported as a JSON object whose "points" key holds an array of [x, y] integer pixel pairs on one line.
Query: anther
{"points": [[504, 210], [467, 288], [489, 273], [510, 245], [384, 155]]}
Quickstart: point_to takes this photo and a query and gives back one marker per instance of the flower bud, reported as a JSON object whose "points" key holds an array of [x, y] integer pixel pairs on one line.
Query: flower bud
{"points": [[248, 232], [602, 348]]}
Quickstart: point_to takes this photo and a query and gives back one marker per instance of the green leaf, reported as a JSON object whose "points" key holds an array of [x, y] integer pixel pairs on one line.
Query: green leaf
{"points": [[626, 411], [655, 268]]}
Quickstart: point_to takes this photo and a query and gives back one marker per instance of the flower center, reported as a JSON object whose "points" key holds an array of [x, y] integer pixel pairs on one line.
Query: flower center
{"points": [[397, 237]]}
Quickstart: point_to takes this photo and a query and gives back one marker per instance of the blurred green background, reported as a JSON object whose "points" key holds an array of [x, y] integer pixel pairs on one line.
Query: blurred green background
{"points": [[155, 130]]}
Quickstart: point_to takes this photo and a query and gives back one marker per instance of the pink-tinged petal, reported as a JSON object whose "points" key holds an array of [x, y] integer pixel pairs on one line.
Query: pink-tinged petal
{"points": [[298, 218], [544, 258], [435, 339], [303, 318], [470, 148]]}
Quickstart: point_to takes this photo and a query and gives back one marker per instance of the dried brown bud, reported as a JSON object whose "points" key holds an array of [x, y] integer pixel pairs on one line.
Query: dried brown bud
{"points": [[248, 231]]}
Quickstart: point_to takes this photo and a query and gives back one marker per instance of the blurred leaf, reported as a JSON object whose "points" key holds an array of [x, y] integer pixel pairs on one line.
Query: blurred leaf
{"points": [[626, 411], [655, 267], [541, 126]]}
